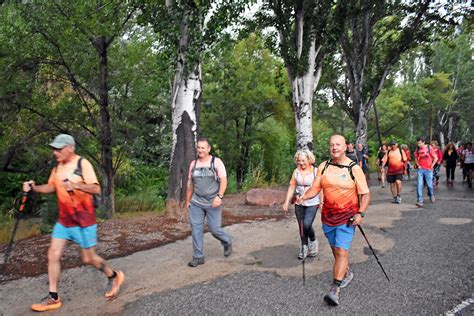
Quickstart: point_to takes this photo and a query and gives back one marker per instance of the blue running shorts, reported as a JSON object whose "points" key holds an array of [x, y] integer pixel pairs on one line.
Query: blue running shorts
{"points": [[85, 237], [339, 236]]}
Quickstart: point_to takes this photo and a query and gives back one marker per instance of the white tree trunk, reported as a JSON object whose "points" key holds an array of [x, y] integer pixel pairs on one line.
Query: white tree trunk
{"points": [[186, 99], [450, 129], [303, 88], [442, 141]]}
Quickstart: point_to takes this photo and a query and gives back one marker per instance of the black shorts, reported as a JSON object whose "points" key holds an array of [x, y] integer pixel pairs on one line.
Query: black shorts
{"points": [[469, 166], [394, 177]]}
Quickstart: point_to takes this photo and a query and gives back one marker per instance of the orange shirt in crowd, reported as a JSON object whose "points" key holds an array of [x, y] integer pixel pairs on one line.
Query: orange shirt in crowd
{"points": [[76, 208], [341, 200], [396, 164]]}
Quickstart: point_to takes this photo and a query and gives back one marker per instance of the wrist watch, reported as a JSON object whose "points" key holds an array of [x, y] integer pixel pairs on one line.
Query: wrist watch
{"points": [[220, 196], [361, 214]]}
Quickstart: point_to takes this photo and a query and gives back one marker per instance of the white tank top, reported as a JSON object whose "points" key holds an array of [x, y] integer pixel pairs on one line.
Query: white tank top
{"points": [[303, 183], [468, 156]]}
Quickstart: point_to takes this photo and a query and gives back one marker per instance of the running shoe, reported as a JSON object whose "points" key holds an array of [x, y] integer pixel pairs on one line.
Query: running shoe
{"points": [[419, 204], [113, 286], [195, 262], [332, 297], [394, 199], [432, 199], [345, 282], [313, 248], [399, 200], [48, 303], [303, 252]]}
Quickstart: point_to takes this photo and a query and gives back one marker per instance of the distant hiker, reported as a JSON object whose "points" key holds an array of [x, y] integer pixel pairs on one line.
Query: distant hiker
{"points": [[460, 151], [468, 158], [351, 153], [425, 160], [450, 158], [74, 182], [382, 170], [406, 150], [395, 160], [363, 157], [207, 182], [437, 166], [346, 197], [301, 180]]}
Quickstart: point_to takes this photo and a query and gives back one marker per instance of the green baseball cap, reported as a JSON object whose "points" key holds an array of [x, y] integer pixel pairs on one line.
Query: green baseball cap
{"points": [[62, 140]]}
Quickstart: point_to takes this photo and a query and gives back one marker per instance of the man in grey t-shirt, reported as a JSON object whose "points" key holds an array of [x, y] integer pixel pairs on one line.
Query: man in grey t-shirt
{"points": [[207, 182]]}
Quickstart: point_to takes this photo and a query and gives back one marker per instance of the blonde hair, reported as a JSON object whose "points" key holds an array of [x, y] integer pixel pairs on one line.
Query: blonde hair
{"points": [[434, 142], [308, 154]]}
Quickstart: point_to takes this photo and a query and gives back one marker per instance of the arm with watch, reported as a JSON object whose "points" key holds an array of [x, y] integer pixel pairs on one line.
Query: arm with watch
{"points": [[220, 195], [364, 204]]}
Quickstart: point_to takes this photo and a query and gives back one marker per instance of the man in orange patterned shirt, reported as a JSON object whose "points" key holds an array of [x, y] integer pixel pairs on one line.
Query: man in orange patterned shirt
{"points": [[74, 182], [346, 198], [396, 160]]}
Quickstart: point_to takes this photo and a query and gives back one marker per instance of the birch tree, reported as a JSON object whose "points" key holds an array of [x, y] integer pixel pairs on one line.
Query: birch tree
{"points": [[303, 29], [187, 28]]}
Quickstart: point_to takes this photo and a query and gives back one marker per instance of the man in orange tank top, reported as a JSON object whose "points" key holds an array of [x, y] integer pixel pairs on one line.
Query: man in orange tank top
{"points": [[76, 222], [346, 199]]}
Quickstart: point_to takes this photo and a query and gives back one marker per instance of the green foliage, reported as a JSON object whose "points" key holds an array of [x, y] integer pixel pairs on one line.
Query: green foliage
{"points": [[243, 90], [140, 188]]}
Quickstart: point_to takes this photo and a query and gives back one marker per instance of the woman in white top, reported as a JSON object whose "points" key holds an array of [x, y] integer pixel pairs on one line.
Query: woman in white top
{"points": [[468, 157], [300, 182]]}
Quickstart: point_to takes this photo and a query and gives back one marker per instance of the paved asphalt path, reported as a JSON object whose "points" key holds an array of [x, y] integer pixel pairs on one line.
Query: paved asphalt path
{"points": [[430, 267]]}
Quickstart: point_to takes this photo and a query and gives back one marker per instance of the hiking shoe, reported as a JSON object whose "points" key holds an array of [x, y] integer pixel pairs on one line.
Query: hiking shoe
{"points": [[303, 252], [345, 282], [419, 204], [332, 297], [48, 303], [195, 262], [113, 286], [227, 250], [313, 248], [432, 199]]}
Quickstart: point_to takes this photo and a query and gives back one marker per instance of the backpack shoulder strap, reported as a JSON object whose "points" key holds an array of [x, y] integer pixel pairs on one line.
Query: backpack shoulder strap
{"points": [[401, 154], [78, 170], [194, 166], [214, 169], [352, 164], [325, 167]]}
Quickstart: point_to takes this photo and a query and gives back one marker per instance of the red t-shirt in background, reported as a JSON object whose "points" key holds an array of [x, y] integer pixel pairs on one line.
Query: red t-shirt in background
{"points": [[425, 157]]}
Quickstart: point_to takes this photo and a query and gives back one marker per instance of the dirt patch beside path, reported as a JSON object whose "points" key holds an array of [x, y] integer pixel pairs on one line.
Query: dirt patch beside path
{"points": [[122, 237]]}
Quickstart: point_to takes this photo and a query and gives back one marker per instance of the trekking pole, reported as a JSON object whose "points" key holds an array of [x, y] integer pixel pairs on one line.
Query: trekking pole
{"points": [[24, 198], [302, 252], [376, 258]]}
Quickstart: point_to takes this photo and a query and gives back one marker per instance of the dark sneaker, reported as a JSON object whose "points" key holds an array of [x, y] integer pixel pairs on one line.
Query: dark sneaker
{"points": [[195, 262], [113, 286], [347, 279], [332, 298], [227, 250], [394, 199], [313, 248], [48, 303]]}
